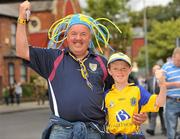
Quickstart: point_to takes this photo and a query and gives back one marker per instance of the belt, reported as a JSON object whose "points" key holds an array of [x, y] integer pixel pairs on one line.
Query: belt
{"points": [[173, 98]]}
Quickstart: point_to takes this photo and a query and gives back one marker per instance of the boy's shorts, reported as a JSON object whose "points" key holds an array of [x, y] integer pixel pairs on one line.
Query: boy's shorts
{"points": [[119, 136]]}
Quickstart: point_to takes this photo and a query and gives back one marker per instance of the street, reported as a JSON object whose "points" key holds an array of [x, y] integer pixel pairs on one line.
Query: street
{"points": [[23, 125], [30, 124]]}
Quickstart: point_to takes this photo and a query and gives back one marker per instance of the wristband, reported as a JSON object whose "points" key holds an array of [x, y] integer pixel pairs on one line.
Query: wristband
{"points": [[22, 21]]}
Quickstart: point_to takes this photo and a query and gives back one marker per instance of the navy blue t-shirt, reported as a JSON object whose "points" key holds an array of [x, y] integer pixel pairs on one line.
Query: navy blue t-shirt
{"points": [[70, 97]]}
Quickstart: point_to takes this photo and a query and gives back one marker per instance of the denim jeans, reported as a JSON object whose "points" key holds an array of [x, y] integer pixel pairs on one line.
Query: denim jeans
{"points": [[172, 112], [59, 132]]}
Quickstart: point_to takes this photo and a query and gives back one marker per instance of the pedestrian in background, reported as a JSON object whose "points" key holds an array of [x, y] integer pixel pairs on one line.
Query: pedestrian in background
{"points": [[18, 92], [5, 95], [40, 90], [153, 88], [11, 94], [172, 108]]}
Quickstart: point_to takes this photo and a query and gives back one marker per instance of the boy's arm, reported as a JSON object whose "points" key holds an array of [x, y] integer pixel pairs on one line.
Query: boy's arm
{"points": [[161, 98], [22, 48]]}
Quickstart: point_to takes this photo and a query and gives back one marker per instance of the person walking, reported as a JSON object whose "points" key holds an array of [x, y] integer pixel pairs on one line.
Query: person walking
{"points": [[76, 75], [18, 93], [153, 88], [40, 90], [11, 94], [5, 95], [172, 107]]}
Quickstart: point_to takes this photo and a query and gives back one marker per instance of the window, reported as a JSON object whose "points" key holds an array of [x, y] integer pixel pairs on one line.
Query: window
{"points": [[11, 73], [13, 35], [23, 73]]}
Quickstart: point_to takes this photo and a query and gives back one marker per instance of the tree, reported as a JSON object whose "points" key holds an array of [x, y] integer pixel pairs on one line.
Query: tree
{"points": [[161, 41], [113, 10], [159, 13]]}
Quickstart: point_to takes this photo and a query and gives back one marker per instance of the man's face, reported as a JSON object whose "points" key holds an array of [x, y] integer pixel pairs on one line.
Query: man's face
{"points": [[78, 39], [176, 60], [120, 71], [155, 68]]}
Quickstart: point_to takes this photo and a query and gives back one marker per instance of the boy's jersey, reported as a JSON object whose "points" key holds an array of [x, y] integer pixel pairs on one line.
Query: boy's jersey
{"points": [[121, 105]]}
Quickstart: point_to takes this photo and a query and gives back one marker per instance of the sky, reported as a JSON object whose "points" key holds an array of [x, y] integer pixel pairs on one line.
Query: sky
{"points": [[137, 5]]}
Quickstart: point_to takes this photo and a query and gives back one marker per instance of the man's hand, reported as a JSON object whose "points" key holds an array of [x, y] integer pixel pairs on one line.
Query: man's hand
{"points": [[23, 8], [140, 118]]}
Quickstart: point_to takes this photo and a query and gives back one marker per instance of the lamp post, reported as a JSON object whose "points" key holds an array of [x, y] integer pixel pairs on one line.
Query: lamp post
{"points": [[145, 39]]}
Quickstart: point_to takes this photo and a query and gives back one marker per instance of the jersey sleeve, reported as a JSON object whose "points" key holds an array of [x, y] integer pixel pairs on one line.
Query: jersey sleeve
{"points": [[41, 60], [150, 106], [147, 101]]}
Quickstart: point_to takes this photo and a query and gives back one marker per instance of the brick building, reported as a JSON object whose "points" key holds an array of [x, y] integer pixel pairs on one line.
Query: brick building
{"points": [[43, 14]]}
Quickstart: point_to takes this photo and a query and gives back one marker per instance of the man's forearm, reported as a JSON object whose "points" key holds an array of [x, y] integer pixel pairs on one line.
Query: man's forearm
{"points": [[173, 84], [22, 48]]}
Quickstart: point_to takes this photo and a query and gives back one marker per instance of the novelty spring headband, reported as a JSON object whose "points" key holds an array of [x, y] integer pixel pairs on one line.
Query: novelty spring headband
{"points": [[58, 31]]}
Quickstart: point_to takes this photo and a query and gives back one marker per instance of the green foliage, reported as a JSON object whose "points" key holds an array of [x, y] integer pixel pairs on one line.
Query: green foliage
{"points": [[27, 90], [161, 41], [159, 13], [104, 8], [112, 9]]}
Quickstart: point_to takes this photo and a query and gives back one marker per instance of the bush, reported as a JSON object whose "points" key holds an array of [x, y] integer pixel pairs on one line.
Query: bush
{"points": [[27, 90]]}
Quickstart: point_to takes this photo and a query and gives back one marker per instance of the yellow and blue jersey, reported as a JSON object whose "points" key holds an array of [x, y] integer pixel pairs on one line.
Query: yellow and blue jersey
{"points": [[121, 105]]}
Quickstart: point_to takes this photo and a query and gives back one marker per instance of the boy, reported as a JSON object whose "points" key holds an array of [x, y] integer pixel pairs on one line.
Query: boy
{"points": [[125, 98]]}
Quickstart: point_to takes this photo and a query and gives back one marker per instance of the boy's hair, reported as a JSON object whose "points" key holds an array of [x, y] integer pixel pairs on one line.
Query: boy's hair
{"points": [[119, 56]]}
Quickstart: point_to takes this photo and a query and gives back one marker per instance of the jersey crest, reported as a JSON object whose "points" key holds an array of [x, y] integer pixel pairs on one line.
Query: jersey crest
{"points": [[92, 66], [133, 101]]}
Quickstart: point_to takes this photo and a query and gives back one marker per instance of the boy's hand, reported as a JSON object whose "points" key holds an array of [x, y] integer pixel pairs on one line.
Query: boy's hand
{"points": [[140, 118], [159, 74]]}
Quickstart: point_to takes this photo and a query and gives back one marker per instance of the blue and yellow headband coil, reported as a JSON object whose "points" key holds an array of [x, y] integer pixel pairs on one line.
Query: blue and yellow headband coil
{"points": [[58, 31]]}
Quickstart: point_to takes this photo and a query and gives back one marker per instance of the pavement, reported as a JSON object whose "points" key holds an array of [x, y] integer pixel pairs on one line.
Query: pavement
{"points": [[25, 106]]}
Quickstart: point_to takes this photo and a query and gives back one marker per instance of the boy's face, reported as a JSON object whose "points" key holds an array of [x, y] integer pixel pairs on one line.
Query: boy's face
{"points": [[120, 71]]}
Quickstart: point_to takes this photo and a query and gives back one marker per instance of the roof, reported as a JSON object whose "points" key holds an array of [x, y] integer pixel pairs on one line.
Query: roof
{"points": [[11, 9]]}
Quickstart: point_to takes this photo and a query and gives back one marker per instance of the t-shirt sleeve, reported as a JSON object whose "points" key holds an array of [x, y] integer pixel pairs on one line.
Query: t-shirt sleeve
{"points": [[164, 68], [147, 101], [41, 60]]}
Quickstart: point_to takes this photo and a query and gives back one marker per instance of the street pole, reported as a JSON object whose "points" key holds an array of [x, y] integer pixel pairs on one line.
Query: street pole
{"points": [[145, 40]]}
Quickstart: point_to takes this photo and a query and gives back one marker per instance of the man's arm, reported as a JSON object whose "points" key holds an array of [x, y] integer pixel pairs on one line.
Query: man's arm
{"points": [[173, 84], [22, 48]]}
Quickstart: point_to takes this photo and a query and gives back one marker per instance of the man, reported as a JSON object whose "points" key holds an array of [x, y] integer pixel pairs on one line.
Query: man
{"points": [[18, 92], [172, 108], [153, 88], [75, 84]]}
